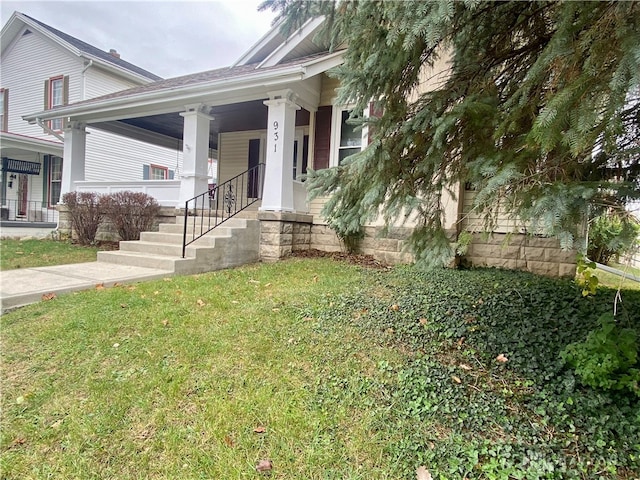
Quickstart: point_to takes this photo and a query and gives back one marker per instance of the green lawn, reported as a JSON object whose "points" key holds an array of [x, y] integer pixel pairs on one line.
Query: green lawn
{"points": [[40, 253], [326, 369]]}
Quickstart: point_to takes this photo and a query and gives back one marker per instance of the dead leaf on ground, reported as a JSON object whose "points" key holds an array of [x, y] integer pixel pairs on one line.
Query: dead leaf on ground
{"points": [[315, 279], [464, 366], [254, 281], [275, 310], [166, 279], [235, 302], [49, 296], [260, 429], [395, 307], [157, 292], [456, 379], [123, 305], [100, 286], [423, 321], [200, 303], [165, 322], [267, 284], [265, 465], [229, 441], [423, 474], [502, 358]]}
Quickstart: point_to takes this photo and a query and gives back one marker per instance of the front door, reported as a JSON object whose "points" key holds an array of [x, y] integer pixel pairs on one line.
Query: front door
{"points": [[253, 184], [23, 194]]}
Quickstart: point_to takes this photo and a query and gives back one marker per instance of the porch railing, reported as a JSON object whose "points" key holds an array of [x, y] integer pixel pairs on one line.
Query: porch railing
{"points": [[220, 203], [27, 212]]}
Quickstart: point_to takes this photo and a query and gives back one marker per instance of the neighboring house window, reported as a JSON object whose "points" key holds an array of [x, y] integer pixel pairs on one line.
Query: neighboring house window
{"points": [[159, 173], [347, 138], [156, 172], [4, 109], [56, 94], [55, 180]]}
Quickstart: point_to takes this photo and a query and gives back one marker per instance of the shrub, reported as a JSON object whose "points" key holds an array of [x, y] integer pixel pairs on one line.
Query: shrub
{"points": [[608, 358], [611, 235], [131, 213], [85, 210]]}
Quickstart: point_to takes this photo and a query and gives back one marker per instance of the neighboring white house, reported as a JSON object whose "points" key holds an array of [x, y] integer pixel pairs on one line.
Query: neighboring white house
{"points": [[276, 105], [44, 68]]}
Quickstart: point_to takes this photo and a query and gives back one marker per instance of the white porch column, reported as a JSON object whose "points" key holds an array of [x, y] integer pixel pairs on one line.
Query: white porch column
{"points": [[281, 129], [195, 158], [75, 146]]}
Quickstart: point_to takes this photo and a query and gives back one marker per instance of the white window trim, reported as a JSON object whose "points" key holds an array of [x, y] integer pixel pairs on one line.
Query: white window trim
{"points": [[336, 119]]}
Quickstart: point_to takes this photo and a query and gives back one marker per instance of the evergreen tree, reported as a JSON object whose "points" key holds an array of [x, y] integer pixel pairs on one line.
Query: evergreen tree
{"points": [[539, 110]]}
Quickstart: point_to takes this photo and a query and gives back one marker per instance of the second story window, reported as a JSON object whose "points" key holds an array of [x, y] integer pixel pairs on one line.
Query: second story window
{"points": [[4, 109], [56, 94]]}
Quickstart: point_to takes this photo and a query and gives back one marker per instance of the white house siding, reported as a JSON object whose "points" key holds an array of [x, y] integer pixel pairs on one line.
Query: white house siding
{"points": [[111, 157], [99, 82], [26, 65]]}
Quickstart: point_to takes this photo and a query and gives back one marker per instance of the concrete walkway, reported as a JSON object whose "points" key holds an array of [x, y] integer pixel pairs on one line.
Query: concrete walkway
{"points": [[28, 285]]}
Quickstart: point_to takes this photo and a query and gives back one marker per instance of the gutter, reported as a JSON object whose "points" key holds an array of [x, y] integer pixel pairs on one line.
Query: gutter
{"points": [[46, 128]]}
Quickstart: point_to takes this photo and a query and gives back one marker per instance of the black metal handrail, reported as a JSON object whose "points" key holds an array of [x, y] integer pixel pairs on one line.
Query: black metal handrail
{"points": [[221, 203]]}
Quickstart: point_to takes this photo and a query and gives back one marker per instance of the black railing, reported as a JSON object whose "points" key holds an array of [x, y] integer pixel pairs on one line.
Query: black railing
{"points": [[27, 212], [220, 203]]}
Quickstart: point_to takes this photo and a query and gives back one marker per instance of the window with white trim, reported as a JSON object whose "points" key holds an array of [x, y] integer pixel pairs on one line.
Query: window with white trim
{"points": [[157, 172], [4, 108], [55, 180], [347, 138], [56, 99]]}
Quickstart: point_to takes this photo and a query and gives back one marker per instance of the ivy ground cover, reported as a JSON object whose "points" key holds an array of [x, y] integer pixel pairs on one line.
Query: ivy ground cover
{"points": [[314, 369]]}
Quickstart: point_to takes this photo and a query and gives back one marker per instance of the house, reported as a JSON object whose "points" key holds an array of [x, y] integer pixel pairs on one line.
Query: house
{"points": [[274, 110], [43, 68]]}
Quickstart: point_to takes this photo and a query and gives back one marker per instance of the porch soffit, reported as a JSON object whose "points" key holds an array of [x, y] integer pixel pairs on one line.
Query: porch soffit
{"points": [[167, 129], [13, 144]]}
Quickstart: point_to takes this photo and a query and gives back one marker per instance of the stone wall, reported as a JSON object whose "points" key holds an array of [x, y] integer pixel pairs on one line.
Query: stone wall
{"points": [[521, 252], [106, 231], [282, 233]]}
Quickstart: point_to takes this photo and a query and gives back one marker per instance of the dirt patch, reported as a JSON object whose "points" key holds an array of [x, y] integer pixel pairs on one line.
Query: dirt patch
{"points": [[351, 258]]}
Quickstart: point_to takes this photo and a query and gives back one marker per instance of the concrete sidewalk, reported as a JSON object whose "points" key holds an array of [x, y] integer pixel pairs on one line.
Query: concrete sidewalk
{"points": [[27, 285]]}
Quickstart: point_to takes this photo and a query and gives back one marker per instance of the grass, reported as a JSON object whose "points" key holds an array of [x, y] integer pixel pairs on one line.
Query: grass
{"points": [[170, 379], [41, 253], [328, 370]]}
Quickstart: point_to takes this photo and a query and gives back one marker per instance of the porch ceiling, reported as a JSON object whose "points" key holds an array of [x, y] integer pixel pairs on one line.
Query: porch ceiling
{"points": [[167, 129]]}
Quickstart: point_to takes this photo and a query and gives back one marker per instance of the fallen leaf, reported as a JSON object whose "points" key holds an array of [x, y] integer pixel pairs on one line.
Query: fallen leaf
{"points": [[264, 466], [123, 305], [456, 379], [275, 309], [460, 342], [267, 284], [18, 441], [19, 253], [229, 442], [390, 331], [166, 279], [49, 296], [100, 286], [165, 322], [56, 424], [200, 303], [423, 321], [502, 358], [315, 279], [157, 292], [395, 307], [260, 429], [20, 400], [254, 281], [116, 284], [423, 474], [116, 345], [464, 366], [235, 302]]}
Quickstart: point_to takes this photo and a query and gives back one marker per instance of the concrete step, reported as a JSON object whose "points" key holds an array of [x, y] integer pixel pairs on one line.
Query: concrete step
{"points": [[148, 260], [234, 222], [179, 229], [155, 248]]}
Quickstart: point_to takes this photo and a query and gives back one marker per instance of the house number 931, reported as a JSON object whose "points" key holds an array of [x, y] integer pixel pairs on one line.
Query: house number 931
{"points": [[275, 136]]}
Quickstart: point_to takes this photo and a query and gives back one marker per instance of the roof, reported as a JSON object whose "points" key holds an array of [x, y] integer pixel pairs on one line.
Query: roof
{"points": [[78, 46], [243, 74]]}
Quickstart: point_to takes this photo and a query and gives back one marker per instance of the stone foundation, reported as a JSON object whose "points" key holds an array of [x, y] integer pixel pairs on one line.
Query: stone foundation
{"points": [[282, 233], [106, 231], [521, 252]]}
